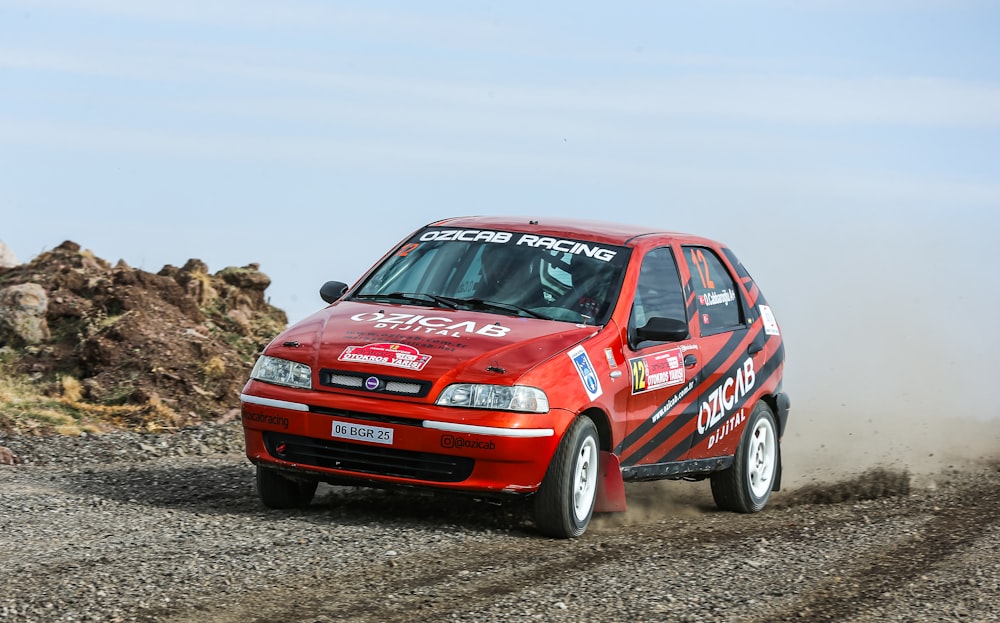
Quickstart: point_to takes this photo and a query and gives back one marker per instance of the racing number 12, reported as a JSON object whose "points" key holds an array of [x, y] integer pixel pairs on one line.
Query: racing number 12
{"points": [[638, 375], [700, 263]]}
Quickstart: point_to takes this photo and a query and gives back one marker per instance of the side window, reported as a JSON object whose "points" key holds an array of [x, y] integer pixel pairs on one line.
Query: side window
{"points": [[658, 292], [715, 291]]}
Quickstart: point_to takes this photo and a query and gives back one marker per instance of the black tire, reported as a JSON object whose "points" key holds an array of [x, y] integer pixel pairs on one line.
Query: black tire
{"points": [[746, 486], [564, 503], [278, 491]]}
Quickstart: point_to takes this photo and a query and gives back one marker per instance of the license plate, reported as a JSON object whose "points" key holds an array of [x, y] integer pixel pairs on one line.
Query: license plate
{"points": [[361, 432]]}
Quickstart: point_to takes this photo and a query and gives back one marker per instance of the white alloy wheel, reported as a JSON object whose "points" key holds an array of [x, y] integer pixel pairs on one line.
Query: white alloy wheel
{"points": [[761, 457], [585, 479], [747, 484], [565, 500]]}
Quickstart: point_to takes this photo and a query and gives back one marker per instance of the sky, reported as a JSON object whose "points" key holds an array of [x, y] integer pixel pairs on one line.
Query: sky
{"points": [[848, 152]]}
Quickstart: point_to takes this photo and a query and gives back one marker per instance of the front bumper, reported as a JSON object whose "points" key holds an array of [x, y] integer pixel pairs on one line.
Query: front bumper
{"points": [[421, 444]]}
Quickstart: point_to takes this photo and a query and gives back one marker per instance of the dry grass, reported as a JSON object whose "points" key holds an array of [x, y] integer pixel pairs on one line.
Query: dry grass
{"points": [[214, 368], [26, 409]]}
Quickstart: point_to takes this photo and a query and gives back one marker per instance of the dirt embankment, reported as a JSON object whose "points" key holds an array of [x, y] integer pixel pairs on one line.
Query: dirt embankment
{"points": [[95, 346]]}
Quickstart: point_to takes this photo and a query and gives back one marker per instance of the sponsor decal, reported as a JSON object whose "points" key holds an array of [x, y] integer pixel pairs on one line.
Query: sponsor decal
{"points": [[724, 397], [670, 404], [658, 370], [770, 324], [727, 427], [467, 235], [572, 247], [425, 342], [434, 325], [386, 354], [458, 443], [272, 420], [581, 361], [724, 297], [562, 245]]}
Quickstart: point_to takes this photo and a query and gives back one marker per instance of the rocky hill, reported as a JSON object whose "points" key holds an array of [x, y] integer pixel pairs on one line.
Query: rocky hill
{"points": [[87, 346]]}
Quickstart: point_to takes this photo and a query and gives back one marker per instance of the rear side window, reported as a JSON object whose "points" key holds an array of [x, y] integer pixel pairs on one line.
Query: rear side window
{"points": [[719, 307]]}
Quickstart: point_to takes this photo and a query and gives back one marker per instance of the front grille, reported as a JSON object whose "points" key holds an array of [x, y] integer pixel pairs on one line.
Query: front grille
{"points": [[376, 383], [369, 459]]}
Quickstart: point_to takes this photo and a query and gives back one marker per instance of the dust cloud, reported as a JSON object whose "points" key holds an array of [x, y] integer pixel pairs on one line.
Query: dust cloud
{"points": [[891, 350], [892, 360]]}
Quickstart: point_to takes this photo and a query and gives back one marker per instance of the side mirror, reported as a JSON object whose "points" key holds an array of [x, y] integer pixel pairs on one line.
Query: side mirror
{"points": [[663, 330], [332, 291]]}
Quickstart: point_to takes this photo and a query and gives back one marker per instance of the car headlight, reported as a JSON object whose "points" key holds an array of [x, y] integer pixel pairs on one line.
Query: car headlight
{"points": [[499, 397], [282, 372]]}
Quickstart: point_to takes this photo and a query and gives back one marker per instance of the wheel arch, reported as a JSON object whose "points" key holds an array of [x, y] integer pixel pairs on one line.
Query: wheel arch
{"points": [[603, 423], [611, 491], [779, 405]]}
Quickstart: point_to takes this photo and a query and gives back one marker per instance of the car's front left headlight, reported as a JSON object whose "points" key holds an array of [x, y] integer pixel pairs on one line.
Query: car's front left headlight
{"points": [[499, 397], [282, 372]]}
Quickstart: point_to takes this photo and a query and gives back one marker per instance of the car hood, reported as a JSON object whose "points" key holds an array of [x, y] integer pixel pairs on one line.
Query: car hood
{"points": [[425, 343]]}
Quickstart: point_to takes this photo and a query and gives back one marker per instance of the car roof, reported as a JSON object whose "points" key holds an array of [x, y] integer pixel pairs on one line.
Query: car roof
{"points": [[606, 232]]}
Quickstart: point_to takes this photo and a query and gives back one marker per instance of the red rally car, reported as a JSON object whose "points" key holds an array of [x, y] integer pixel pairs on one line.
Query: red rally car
{"points": [[550, 358]]}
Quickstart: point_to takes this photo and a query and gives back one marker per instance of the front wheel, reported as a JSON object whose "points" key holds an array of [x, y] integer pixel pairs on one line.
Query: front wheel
{"points": [[278, 491], [564, 503], [746, 486]]}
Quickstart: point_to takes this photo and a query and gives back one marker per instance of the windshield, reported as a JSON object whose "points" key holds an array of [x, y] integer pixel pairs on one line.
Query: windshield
{"points": [[502, 272]]}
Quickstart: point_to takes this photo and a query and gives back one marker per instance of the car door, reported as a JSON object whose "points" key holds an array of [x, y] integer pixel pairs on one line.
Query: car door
{"points": [[662, 373], [684, 392], [729, 354]]}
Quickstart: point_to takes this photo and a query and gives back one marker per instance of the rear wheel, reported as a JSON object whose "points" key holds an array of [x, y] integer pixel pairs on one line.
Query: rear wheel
{"points": [[564, 503], [278, 491], [746, 486]]}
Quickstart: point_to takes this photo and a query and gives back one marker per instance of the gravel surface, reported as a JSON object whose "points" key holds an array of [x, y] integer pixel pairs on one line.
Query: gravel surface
{"points": [[128, 527]]}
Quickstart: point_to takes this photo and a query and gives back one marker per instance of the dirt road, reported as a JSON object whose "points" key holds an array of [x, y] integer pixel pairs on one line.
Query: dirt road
{"points": [[164, 537]]}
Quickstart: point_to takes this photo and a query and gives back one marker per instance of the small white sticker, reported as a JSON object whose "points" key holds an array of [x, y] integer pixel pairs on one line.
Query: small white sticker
{"points": [[610, 355], [770, 324]]}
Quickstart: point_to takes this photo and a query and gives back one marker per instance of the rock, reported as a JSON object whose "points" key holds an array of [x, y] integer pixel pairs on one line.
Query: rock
{"points": [[245, 278], [242, 319], [22, 314], [7, 457], [7, 257]]}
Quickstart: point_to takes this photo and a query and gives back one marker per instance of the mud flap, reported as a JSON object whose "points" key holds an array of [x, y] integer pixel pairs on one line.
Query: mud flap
{"points": [[611, 487], [776, 485]]}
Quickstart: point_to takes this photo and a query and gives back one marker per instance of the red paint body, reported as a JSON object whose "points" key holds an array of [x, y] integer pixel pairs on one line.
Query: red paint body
{"points": [[666, 409]]}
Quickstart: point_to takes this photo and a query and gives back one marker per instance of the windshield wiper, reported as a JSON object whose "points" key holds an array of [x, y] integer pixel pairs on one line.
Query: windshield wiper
{"points": [[450, 302], [507, 307], [418, 298]]}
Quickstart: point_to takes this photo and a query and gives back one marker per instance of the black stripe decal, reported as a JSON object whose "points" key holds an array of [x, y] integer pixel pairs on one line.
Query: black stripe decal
{"points": [[731, 345], [760, 378]]}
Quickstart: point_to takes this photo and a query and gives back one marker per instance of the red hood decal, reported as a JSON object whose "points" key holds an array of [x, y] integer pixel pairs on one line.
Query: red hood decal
{"points": [[386, 354], [426, 343]]}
